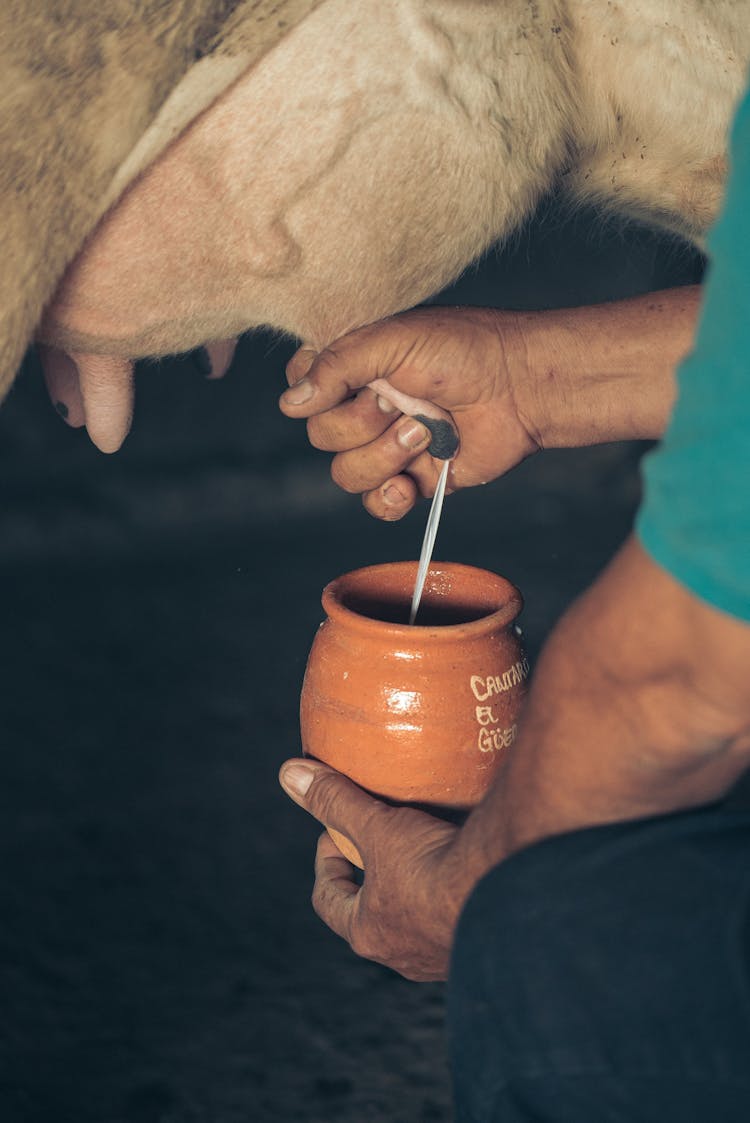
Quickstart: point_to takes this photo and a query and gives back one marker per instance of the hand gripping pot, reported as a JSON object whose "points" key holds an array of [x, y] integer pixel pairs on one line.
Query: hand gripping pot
{"points": [[420, 714]]}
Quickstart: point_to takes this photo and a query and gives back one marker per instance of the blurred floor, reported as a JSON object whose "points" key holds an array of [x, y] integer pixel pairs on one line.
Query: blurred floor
{"points": [[159, 961]]}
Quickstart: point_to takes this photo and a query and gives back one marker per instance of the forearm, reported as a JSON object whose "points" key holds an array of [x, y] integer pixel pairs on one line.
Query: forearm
{"points": [[639, 706], [599, 373]]}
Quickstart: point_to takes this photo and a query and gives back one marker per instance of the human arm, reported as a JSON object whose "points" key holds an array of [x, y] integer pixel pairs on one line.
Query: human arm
{"points": [[640, 702], [513, 382], [639, 706]]}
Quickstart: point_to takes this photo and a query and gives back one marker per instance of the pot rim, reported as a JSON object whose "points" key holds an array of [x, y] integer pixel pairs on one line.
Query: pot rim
{"points": [[508, 597]]}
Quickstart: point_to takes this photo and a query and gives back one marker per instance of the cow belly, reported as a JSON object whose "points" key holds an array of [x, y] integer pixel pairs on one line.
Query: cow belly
{"points": [[370, 157], [658, 83]]}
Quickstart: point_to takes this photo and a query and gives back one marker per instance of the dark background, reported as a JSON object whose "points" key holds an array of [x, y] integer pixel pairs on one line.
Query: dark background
{"points": [[159, 960]]}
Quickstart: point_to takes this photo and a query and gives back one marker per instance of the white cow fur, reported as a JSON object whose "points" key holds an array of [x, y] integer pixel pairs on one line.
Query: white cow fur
{"points": [[380, 148]]}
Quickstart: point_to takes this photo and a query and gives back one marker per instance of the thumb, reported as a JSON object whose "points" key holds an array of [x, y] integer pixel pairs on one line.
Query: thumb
{"points": [[321, 381], [331, 798]]}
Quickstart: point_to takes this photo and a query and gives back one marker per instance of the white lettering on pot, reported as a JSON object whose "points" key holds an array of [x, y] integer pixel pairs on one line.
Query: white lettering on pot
{"points": [[490, 740], [484, 688]]}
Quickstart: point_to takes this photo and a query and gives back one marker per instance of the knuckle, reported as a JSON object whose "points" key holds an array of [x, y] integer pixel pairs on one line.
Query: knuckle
{"points": [[342, 476], [363, 945], [317, 900], [327, 357], [378, 820], [333, 431], [317, 434], [327, 367], [423, 473], [324, 794]]}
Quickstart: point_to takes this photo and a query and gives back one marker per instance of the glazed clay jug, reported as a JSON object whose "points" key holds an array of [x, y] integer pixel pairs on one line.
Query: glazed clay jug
{"points": [[418, 714]]}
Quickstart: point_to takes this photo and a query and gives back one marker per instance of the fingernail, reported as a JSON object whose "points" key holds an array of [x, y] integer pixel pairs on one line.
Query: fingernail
{"points": [[296, 779], [384, 405], [411, 434], [392, 496], [299, 393]]}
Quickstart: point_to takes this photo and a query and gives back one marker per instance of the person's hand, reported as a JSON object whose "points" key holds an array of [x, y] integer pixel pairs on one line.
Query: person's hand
{"points": [[512, 381], [404, 913], [458, 359]]}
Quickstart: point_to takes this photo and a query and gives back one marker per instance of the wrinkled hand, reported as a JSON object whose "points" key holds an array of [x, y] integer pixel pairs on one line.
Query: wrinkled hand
{"points": [[454, 357], [405, 912]]}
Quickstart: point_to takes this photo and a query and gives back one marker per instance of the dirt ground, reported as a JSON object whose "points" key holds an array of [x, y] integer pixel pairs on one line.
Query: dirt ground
{"points": [[159, 960]]}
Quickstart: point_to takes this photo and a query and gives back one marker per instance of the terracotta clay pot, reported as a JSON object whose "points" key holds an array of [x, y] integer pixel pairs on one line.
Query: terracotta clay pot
{"points": [[418, 714]]}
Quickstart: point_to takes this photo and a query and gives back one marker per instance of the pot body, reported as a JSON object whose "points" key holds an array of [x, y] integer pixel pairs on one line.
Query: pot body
{"points": [[417, 714]]}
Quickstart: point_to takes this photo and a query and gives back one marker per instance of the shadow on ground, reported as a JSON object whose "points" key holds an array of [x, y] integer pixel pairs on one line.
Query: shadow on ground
{"points": [[159, 959]]}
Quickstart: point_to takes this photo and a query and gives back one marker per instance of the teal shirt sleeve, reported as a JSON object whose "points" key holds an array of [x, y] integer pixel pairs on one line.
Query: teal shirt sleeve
{"points": [[695, 517]]}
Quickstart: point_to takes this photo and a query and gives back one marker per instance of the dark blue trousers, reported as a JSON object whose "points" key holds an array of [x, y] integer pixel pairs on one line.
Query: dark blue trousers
{"points": [[603, 976]]}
